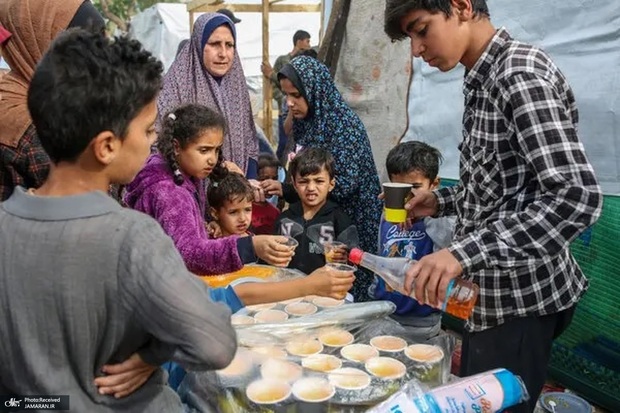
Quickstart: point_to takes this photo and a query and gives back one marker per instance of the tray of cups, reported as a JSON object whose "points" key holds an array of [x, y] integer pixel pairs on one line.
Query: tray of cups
{"points": [[278, 312], [329, 368]]}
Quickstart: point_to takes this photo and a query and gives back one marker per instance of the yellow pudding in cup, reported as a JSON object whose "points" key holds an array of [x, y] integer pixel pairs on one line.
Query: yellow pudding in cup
{"points": [[322, 362], [385, 368], [359, 353]]}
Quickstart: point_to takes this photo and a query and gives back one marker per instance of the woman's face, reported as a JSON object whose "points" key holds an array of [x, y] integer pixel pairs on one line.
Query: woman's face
{"points": [[200, 156], [219, 52], [294, 100]]}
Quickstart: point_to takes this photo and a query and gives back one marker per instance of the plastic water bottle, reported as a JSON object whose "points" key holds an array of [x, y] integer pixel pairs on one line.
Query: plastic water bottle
{"points": [[489, 392], [461, 295]]}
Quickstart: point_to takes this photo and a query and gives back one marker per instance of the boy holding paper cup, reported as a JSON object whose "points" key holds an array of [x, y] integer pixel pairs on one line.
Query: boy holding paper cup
{"points": [[410, 165]]}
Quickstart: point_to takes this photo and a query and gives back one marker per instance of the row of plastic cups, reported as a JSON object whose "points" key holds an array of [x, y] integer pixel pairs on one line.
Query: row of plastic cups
{"points": [[277, 375], [267, 314]]}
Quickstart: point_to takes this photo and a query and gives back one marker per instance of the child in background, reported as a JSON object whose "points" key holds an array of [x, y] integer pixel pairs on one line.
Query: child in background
{"points": [[414, 163], [314, 220], [264, 214], [230, 202]]}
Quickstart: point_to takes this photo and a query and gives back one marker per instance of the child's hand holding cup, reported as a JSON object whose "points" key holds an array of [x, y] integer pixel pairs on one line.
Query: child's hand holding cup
{"points": [[334, 280], [336, 252]]}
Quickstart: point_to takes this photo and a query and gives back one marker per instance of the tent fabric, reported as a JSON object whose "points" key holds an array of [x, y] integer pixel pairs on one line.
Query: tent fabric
{"points": [[582, 38], [372, 75]]}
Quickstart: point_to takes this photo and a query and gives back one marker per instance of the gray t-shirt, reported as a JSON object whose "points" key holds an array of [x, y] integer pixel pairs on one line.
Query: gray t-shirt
{"points": [[85, 282]]}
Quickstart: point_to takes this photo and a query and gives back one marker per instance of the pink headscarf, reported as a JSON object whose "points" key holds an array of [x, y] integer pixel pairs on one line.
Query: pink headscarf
{"points": [[188, 81]]}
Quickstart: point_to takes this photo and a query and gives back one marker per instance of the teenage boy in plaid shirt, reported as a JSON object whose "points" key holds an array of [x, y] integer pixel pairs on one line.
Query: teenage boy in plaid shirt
{"points": [[526, 189]]}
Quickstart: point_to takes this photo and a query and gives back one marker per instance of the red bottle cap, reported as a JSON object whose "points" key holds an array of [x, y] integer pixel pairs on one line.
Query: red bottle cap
{"points": [[355, 256]]}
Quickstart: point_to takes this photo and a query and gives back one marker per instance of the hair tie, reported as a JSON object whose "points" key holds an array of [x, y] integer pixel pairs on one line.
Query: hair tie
{"points": [[172, 116]]}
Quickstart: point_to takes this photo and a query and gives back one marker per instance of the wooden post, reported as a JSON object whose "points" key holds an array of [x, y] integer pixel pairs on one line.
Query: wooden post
{"points": [[267, 109]]}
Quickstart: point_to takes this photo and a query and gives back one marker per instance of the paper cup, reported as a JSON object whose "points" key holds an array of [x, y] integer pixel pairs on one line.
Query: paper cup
{"points": [[426, 363], [385, 368], [327, 302], [335, 252], [304, 348], [321, 362], [335, 338], [291, 301], [240, 365], [359, 353], [260, 307], [388, 344], [349, 378], [241, 320], [268, 392], [278, 369], [395, 197], [313, 390], [300, 309], [270, 316], [263, 353]]}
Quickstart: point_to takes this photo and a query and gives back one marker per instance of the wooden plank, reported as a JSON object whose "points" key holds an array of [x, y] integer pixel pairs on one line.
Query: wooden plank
{"points": [[196, 4], [267, 109], [329, 52], [258, 8]]}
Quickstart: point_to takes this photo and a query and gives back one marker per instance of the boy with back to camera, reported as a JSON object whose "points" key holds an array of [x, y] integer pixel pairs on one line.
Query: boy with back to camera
{"points": [[85, 283], [415, 163], [526, 189], [315, 219]]}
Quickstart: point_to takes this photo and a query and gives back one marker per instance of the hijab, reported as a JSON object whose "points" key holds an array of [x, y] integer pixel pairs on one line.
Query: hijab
{"points": [[188, 81], [329, 117], [34, 24]]}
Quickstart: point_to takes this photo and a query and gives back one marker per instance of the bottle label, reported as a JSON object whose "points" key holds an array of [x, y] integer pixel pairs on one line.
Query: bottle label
{"points": [[481, 394], [401, 404]]}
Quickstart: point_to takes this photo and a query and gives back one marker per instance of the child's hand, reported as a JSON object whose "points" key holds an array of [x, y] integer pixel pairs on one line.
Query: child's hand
{"points": [[213, 229], [273, 249], [232, 167], [331, 283], [259, 193], [272, 187], [124, 378]]}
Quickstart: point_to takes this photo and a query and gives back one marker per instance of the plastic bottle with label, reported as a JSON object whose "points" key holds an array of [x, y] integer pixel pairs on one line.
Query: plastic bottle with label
{"points": [[489, 392], [461, 295]]}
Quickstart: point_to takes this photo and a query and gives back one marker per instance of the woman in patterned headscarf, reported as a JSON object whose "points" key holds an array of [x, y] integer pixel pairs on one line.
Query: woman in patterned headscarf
{"points": [[322, 119], [208, 71], [33, 24]]}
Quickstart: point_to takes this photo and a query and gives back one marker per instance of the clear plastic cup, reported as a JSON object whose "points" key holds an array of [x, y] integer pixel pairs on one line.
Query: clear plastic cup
{"points": [[335, 251]]}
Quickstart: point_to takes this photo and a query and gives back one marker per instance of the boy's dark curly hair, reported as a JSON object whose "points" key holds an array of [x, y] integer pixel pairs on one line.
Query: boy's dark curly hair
{"points": [[87, 84], [184, 124], [231, 187]]}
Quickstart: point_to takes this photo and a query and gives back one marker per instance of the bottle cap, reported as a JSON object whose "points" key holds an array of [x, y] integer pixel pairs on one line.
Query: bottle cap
{"points": [[355, 256]]}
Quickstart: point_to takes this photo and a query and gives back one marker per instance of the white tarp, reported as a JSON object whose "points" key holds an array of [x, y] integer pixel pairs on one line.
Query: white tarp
{"points": [[161, 27], [583, 38]]}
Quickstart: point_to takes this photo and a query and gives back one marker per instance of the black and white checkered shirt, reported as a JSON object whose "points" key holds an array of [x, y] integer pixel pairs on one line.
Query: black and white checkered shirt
{"points": [[526, 187]]}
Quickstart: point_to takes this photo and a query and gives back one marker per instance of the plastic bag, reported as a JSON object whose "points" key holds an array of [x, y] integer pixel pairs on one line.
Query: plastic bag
{"points": [[491, 391], [340, 359]]}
